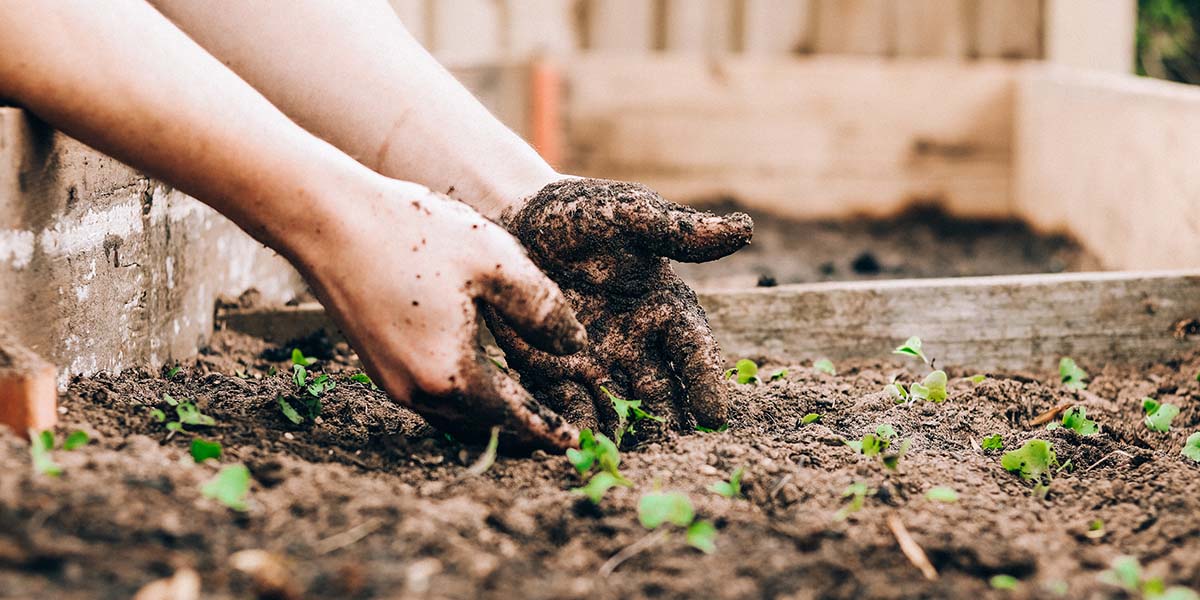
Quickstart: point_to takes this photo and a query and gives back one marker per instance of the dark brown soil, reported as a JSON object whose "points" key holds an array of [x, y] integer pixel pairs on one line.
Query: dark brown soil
{"points": [[371, 503], [921, 242]]}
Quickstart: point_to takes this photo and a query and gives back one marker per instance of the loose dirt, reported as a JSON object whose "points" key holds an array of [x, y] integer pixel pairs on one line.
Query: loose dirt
{"points": [[372, 503], [921, 242]]}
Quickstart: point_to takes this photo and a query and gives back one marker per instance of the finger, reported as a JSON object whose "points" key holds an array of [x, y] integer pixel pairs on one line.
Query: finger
{"points": [[572, 401], [679, 232], [533, 305], [653, 384], [689, 345]]}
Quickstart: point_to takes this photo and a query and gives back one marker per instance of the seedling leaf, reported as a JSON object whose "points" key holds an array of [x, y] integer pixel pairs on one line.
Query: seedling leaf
{"points": [[158, 415], [885, 431], [77, 439], [980, 378], [731, 488], [892, 460], [629, 412], [169, 400], [364, 379], [897, 392], [189, 414], [825, 366], [702, 536], [1003, 582], [779, 375], [1072, 376], [1031, 460], [203, 450], [173, 372], [942, 494], [703, 429], [298, 358], [40, 447], [810, 418], [174, 426], [488, 458], [993, 442], [746, 371], [1076, 419], [598, 485], [911, 347], [229, 487], [857, 492], [657, 508], [1159, 416], [289, 412], [935, 387], [1191, 448]]}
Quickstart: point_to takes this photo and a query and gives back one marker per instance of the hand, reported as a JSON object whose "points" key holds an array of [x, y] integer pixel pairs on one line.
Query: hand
{"points": [[607, 244], [402, 272]]}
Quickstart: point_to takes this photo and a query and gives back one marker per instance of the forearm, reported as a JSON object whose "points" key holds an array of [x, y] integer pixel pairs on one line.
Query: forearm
{"points": [[352, 74], [127, 82]]}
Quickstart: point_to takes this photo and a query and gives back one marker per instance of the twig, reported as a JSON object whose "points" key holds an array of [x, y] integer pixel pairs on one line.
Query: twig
{"points": [[338, 541], [1051, 414], [1108, 456], [911, 549], [631, 551]]}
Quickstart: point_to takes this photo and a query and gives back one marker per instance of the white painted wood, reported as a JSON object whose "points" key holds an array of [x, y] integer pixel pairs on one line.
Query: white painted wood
{"points": [[705, 26], [1111, 159], [625, 26], [855, 27], [932, 28], [1091, 34], [1008, 28], [776, 27], [540, 27], [805, 137], [466, 32]]}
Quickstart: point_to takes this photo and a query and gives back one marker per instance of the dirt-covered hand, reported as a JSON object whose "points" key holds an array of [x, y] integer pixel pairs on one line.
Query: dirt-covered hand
{"points": [[607, 244], [404, 280]]}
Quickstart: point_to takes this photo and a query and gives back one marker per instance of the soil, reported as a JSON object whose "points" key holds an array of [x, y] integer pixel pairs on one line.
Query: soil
{"points": [[921, 242], [372, 503]]}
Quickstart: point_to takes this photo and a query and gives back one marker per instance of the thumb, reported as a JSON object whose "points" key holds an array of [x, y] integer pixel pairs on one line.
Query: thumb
{"points": [[533, 305]]}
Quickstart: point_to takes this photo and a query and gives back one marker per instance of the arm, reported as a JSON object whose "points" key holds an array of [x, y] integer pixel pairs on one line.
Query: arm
{"points": [[400, 268]]}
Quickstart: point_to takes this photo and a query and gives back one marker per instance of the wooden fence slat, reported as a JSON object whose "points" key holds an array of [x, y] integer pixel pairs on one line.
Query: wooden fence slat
{"points": [[931, 28], [466, 32], [776, 27], [699, 25], [1005, 322], [539, 27], [855, 27], [1008, 28], [620, 25]]}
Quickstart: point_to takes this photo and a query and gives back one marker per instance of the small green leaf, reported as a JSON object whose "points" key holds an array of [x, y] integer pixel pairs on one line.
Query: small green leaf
{"points": [[993, 442], [1149, 405], [77, 439], [229, 487], [1031, 460], [825, 366], [598, 485], [918, 391], [1160, 417], [1124, 572], [857, 492], [746, 371], [174, 426], [885, 431], [173, 372], [299, 376], [364, 379], [40, 447], [1191, 448], [942, 494], [1076, 419], [1072, 376], [872, 444], [1003, 582], [935, 386], [911, 347], [169, 400], [980, 378], [892, 460], [298, 358], [203, 450], [897, 392], [731, 488], [779, 375], [289, 411], [189, 414], [703, 429], [702, 536], [657, 508], [158, 415], [810, 418]]}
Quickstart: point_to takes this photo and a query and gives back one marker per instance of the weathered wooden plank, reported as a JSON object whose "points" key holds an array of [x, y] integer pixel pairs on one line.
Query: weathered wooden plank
{"points": [[932, 28], [1111, 159], [625, 26], [704, 26], [1008, 28], [855, 27], [465, 32], [539, 27], [1096, 34], [776, 27], [817, 136], [1007, 322]]}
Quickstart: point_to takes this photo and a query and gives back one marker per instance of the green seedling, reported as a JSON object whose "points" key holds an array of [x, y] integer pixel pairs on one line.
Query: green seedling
{"points": [[158, 415], [76, 439], [942, 494], [857, 492], [810, 418], [229, 487], [288, 412], [779, 375], [1126, 573], [298, 358], [596, 450], [203, 450], [364, 379], [1159, 415], [824, 366], [310, 391], [703, 429], [598, 485], [1095, 529], [932, 388], [173, 372], [1076, 420], [1033, 461], [912, 347], [877, 444], [488, 458], [980, 378], [1003, 582], [896, 392], [731, 488], [1072, 376], [629, 413], [992, 442], [189, 414], [40, 447], [1191, 448], [746, 371], [658, 508]]}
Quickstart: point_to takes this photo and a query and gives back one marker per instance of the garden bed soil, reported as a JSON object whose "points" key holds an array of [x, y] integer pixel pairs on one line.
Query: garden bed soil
{"points": [[372, 503], [920, 242]]}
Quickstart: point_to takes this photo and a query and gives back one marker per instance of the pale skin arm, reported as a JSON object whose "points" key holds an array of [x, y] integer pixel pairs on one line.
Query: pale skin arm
{"points": [[352, 74], [401, 269]]}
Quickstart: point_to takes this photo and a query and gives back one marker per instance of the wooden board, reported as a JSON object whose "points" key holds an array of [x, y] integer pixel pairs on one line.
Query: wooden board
{"points": [[1008, 28], [624, 26], [701, 26], [776, 27], [539, 27], [1010, 322], [1111, 159], [805, 137], [932, 28], [855, 27]]}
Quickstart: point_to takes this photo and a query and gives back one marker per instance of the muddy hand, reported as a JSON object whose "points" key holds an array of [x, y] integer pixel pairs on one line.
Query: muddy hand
{"points": [[405, 282], [607, 244]]}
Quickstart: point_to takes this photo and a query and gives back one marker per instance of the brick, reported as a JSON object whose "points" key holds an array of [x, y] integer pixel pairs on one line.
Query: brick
{"points": [[28, 392]]}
